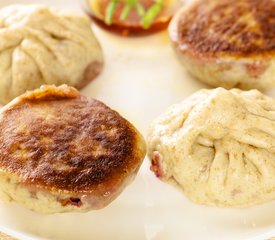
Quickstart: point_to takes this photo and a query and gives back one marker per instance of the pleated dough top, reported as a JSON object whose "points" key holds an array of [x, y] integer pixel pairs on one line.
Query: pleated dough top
{"points": [[42, 46], [218, 146]]}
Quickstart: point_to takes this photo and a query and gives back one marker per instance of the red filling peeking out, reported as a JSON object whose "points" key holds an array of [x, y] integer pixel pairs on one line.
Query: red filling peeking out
{"points": [[156, 165], [71, 201]]}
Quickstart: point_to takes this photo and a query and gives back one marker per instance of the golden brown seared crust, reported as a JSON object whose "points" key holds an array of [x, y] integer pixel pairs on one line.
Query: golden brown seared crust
{"points": [[54, 138], [243, 27]]}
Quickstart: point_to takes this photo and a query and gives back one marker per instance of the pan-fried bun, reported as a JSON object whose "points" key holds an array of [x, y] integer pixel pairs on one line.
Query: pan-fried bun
{"points": [[227, 43], [61, 151]]}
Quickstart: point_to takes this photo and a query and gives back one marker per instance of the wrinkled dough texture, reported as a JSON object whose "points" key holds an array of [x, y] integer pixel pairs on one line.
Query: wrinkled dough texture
{"points": [[40, 46], [218, 146]]}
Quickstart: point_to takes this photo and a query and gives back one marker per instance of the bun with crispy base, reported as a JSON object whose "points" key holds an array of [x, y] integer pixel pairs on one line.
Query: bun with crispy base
{"points": [[227, 43], [61, 151]]}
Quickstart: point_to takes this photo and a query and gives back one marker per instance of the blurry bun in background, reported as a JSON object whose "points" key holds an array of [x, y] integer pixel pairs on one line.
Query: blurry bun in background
{"points": [[43, 46], [227, 43]]}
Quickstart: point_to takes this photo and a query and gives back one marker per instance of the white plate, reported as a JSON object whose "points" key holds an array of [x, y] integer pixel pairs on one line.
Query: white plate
{"points": [[141, 79]]}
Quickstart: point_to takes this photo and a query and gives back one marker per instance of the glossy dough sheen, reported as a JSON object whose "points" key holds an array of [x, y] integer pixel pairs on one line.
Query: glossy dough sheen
{"points": [[218, 146], [42, 46], [72, 150], [227, 43]]}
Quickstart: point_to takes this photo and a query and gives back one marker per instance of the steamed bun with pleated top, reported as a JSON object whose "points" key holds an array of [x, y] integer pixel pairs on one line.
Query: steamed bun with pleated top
{"points": [[218, 146], [43, 46]]}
